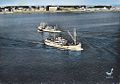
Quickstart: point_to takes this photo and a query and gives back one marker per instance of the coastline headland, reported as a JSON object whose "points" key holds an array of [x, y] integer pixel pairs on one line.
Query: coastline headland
{"points": [[54, 9]]}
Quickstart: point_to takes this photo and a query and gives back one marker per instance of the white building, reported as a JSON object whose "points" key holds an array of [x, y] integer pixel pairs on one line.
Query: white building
{"points": [[53, 8]]}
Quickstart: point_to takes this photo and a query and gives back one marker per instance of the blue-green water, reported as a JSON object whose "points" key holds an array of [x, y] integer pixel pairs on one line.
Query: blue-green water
{"points": [[23, 60]]}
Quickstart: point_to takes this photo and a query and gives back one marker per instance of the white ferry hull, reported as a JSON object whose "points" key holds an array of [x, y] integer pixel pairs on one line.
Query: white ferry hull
{"points": [[65, 47]]}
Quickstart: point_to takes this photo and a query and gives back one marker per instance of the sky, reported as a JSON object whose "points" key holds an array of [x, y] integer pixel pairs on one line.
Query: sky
{"points": [[58, 2]]}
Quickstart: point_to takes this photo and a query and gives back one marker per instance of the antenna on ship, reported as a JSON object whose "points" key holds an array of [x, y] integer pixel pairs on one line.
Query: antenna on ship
{"points": [[73, 36]]}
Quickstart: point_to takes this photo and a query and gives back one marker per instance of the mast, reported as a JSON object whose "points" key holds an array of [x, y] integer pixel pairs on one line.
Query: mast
{"points": [[73, 36], [54, 33]]}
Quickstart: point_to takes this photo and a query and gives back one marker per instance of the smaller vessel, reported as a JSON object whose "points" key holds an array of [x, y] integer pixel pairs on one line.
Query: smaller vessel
{"points": [[43, 27], [62, 43]]}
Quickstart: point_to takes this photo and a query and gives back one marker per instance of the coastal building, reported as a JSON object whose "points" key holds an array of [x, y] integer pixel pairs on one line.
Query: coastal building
{"points": [[51, 8], [115, 8], [42, 8], [102, 7], [98, 8], [68, 7], [73, 8], [1, 9]]}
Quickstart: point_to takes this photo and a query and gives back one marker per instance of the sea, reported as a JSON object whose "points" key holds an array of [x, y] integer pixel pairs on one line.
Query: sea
{"points": [[24, 59]]}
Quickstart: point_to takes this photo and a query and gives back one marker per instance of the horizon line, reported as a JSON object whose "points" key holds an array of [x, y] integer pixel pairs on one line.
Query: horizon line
{"points": [[67, 5]]}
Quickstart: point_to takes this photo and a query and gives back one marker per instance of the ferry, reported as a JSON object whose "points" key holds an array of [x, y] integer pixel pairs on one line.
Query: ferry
{"points": [[43, 27], [62, 43]]}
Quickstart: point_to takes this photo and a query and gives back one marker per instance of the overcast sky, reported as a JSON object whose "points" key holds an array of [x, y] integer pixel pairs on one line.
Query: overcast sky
{"points": [[59, 2]]}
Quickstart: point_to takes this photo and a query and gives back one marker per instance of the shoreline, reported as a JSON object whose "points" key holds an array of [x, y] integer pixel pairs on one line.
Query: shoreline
{"points": [[31, 12]]}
